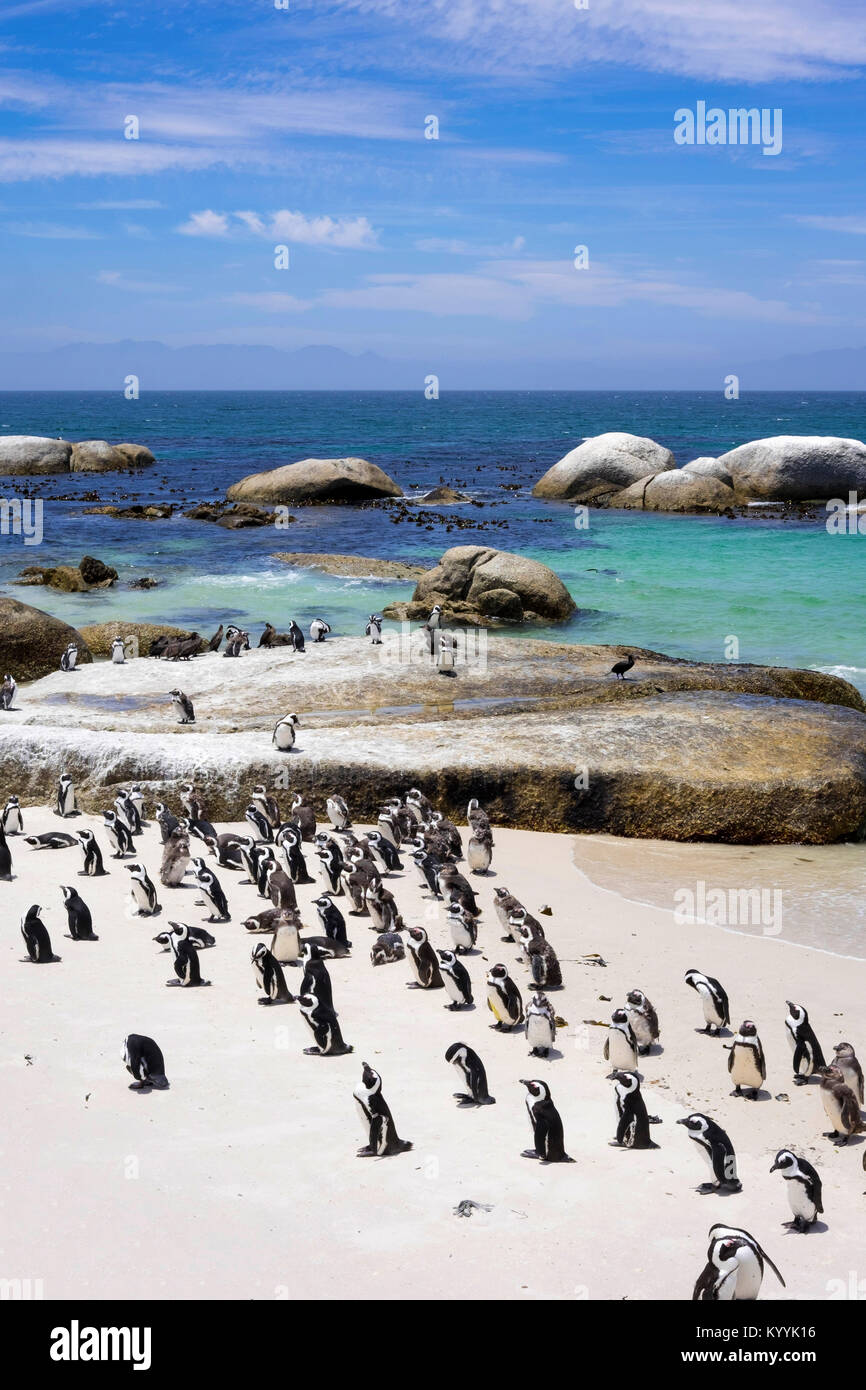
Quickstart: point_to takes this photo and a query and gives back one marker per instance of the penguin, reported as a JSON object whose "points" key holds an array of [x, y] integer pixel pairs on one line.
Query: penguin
{"points": [[304, 817], [841, 1106], [285, 944], [808, 1057], [166, 821], [7, 691], [717, 1010], [746, 1062], [382, 907], [734, 1269], [455, 888], [128, 812], [446, 656], [388, 824], [455, 978], [144, 1060], [5, 858], [237, 641], [431, 629], [143, 891], [619, 668], [319, 630], [214, 898], [643, 1019], [284, 732], [186, 967], [331, 858], [377, 1121], [281, 890], [447, 831], [322, 1022], [503, 999], [265, 864], [803, 1187], [332, 920], [338, 813], [316, 980], [540, 1026], [384, 853], [267, 804], [717, 1149], [93, 866], [428, 867], [463, 928], [373, 630], [175, 859], [546, 1124], [290, 843], [620, 1046], [479, 853], [422, 957], [387, 948], [192, 801], [478, 819], [269, 976], [51, 839], [542, 960], [69, 658], [506, 906], [118, 652], [65, 804], [184, 705], [118, 835], [197, 936], [632, 1120], [522, 921], [262, 828], [224, 849], [263, 921], [471, 1068], [36, 937], [11, 820], [296, 636], [852, 1072]]}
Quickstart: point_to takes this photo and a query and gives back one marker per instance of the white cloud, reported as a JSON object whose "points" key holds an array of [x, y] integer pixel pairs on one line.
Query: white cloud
{"points": [[855, 224], [52, 231], [118, 281], [346, 233], [206, 223]]}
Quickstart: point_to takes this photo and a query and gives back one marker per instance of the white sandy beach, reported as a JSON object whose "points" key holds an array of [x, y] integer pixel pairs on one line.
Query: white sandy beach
{"points": [[241, 1181]]}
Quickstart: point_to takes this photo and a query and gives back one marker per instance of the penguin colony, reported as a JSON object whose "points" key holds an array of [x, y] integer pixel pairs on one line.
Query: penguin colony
{"points": [[269, 858]]}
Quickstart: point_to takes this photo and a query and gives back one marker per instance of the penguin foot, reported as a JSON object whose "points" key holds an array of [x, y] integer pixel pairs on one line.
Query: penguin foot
{"points": [[315, 1052], [801, 1080], [706, 1187], [365, 1153], [529, 1153]]}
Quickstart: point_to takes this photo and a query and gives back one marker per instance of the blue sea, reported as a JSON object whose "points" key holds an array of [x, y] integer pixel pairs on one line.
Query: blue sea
{"points": [[787, 591]]}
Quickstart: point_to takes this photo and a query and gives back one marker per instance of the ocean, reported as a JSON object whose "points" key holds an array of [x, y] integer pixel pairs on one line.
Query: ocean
{"points": [[786, 592]]}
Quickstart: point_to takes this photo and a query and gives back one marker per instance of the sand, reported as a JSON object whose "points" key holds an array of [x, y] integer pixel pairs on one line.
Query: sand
{"points": [[241, 1181]]}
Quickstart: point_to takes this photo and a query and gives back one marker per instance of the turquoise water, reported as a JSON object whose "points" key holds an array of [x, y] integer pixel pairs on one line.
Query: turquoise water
{"points": [[789, 592]]}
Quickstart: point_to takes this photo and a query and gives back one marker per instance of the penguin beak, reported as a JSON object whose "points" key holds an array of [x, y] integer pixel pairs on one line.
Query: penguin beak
{"points": [[774, 1167], [680, 1122]]}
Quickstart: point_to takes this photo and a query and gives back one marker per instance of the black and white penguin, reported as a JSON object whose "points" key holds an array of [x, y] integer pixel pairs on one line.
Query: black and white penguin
{"points": [[7, 691], [455, 978], [714, 1000], [718, 1151], [304, 817], [373, 630], [331, 859], [316, 979], [428, 867], [322, 1022], [51, 839], [520, 922], [319, 630], [479, 853], [144, 1060], [803, 1187], [632, 1120], [212, 892], [332, 920], [841, 1106], [196, 935], [143, 891], [382, 907], [734, 1269], [127, 810], [431, 628], [281, 890], [387, 948], [285, 944], [184, 706], [118, 651], [355, 884], [543, 962], [643, 1019], [69, 658], [261, 826], [175, 859], [118, 835], [186, 967], [289, 840], [503, 999], [620, 1045], [852, 1072], [446, 654], [377, 1122], [11, 820], [267, 804], [384, 852], [746, 1062], [5, 858], [296, 636], [447, 831], [165, 819], [388, 824], [463, 928], [506, 906], [338, 812], [478, 819], [93, 866], [808, 1057], [422, 958], [65, 805], [269, 976], [540, 1026], [36, 937], [420, 805], [471, 1068], [547, 1132], [455, 888], [284, 732]]}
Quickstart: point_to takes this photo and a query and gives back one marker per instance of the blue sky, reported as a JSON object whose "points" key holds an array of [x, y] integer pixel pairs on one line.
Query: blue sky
{"points": [[306, 127]]}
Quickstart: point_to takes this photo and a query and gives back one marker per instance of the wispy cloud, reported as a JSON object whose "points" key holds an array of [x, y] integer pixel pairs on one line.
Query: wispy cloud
{"points": [[121, 205], [118, 281], [346, 233], [855, 223], [52, 231]]}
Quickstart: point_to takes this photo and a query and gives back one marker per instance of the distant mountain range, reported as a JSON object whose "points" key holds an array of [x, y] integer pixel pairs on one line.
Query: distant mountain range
{"points": [[104, 366]]}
